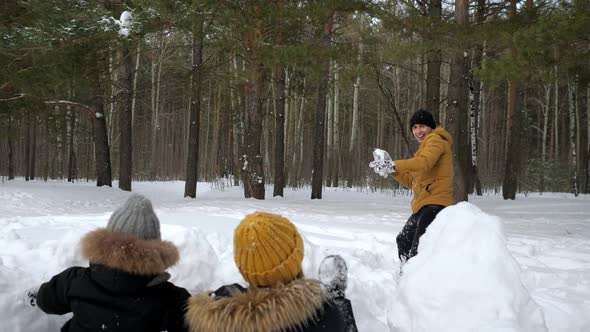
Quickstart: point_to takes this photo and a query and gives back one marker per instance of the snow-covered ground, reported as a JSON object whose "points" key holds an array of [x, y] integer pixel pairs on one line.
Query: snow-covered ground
{"points": [[486, 265]]}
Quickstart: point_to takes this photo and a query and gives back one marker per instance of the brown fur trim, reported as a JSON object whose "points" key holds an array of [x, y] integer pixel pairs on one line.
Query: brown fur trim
{"points": [[128, 253], [258, 309]]}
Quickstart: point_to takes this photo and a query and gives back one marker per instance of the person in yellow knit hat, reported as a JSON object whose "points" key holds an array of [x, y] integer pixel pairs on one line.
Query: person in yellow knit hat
{"points": [[268, 251], [429, 174]]}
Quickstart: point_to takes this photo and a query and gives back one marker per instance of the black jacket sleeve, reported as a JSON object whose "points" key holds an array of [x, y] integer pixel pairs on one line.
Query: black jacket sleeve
{"points": [[348, 315], [330, 320], [52, 297], [176, 322]]}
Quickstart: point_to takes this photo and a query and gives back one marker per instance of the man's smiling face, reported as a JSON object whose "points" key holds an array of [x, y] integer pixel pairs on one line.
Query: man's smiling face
{"points": [[420, 132]]}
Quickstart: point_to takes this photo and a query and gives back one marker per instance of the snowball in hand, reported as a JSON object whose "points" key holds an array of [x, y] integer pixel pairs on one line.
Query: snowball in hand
{"points": [[381, 155], [382, 165]]}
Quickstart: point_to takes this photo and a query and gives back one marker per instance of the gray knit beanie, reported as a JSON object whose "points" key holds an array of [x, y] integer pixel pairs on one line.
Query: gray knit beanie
{"points": [[136, 217]]}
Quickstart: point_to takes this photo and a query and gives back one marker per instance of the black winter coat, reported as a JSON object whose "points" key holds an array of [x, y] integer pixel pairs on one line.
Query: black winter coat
{"points": [[302, 306], [124, 289]]}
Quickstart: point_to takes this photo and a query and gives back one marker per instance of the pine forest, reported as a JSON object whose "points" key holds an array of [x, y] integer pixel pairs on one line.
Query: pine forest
{"points": [[294, 93]]}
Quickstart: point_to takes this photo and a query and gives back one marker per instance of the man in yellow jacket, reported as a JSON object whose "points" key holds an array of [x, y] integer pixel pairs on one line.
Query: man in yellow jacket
{"points": [[429, 174]]}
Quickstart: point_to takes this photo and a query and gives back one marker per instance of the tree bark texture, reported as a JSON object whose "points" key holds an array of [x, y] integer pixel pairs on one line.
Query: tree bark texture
{"points": [[572, 103], [433, 61], [336, 154], [457, 111], [101, 141], [473, 179], [10, 150], [587, 185], [192, 157], [252, 159], [71, 149], [279, 146], [513, 128], [320, 115], [27, 133], [125, 75]]}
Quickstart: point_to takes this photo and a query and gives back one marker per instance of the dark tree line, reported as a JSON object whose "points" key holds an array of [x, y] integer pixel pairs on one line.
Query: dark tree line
{"points": [[294, 93]]}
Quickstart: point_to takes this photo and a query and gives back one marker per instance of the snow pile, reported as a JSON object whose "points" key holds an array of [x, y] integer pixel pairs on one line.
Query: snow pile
{"points": [[464, 279]]}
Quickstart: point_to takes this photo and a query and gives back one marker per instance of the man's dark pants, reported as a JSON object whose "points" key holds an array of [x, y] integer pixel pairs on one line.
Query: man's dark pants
{"points": [[409, 237]]}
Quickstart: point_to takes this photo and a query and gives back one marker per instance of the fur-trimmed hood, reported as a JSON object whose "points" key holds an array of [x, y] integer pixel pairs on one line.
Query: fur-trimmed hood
{"points": [[128, 253], [258, 309]]}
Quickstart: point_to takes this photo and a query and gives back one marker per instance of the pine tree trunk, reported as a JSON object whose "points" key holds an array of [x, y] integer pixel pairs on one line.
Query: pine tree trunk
{"points": [[457, 108], [215, 158], [236, 105], [71, 153], [205, 142], [27, 132], [336, 164], [155, 77], [477, 97], [138, 137], [433, 62], [101, 141], [556, 118], [110, 117], [329, 129], [572, 103], [587, 185], [297, 136], [10, 150], [135, 81], [513, 129], [252, 159], [33, 157], [546, 107], [63, 142], [509, 184], [353, 146], [46, 144], [190, 186], [300, 139], [125, 75], [102, 157], [473, 179], [266, 134], [279, 147], [320, 116]]}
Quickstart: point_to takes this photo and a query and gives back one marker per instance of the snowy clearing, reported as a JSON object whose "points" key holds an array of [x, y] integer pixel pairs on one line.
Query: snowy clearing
{"points": [[486, 265]]}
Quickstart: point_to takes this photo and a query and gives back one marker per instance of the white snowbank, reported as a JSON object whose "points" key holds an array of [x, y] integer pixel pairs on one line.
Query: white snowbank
{"points": [[461, 266], [464, 279]]}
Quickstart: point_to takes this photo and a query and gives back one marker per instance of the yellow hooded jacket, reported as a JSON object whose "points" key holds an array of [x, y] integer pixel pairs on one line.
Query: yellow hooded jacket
{"points": [[430, 172]]}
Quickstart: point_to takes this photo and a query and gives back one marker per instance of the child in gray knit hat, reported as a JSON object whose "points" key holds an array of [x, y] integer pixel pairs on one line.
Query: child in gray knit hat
{"points": [[126, 287], [136, 217]]}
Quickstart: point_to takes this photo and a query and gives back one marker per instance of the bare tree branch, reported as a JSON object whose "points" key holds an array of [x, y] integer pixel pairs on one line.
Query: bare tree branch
{"points": [[390, 99], [74, 104], [90, 111], [16, 97]]}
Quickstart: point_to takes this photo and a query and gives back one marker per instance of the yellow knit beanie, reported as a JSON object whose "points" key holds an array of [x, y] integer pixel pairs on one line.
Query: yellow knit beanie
{"points": [[267, 249]]}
